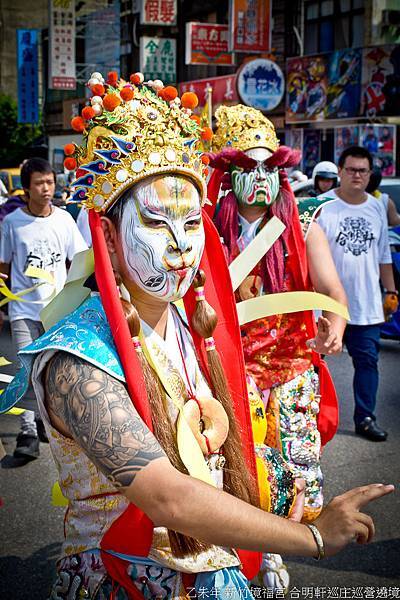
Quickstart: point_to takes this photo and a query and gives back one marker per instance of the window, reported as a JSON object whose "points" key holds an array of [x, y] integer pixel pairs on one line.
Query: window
{"points": [[327, 34], [333, 24], [326, 8]]}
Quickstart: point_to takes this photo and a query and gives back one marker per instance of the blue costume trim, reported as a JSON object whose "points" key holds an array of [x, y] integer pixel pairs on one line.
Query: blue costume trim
{"points": [[224, 584], [84, 333]]}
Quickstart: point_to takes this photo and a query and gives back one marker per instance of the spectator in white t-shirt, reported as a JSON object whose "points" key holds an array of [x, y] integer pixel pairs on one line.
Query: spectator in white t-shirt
{"points": [[357, 230], [44, 236]]}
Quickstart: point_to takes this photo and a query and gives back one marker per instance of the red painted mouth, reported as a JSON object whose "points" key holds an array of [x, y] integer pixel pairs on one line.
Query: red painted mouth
{"points": [[182, 272]]}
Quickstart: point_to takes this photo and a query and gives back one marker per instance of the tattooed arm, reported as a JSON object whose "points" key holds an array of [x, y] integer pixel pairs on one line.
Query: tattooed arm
{"points": [[85, 403], [95, 409]]}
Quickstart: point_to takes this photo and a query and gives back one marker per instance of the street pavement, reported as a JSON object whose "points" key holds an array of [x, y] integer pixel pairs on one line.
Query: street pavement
{"points": [[31, 529]]}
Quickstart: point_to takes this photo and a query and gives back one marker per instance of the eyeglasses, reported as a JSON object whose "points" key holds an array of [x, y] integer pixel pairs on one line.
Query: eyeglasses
{"points": [[353, 171]]}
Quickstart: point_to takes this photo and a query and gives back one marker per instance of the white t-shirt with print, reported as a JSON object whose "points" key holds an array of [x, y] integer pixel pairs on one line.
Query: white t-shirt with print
{"points": [[358, 238], [44, 242]]}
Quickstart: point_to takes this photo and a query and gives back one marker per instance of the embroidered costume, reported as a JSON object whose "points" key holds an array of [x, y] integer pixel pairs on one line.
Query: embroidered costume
{"points": [[294, 382]]}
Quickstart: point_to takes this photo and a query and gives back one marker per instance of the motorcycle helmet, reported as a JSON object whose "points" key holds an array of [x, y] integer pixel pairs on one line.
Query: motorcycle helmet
{"points": [[325, 170]]}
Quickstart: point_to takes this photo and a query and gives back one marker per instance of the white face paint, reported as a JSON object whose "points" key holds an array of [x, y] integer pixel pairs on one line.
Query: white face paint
{"points": [[258, 187], [162, 236]]}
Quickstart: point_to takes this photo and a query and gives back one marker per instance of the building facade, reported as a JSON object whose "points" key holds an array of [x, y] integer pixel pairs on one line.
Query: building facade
{"points": [[340, 60]]}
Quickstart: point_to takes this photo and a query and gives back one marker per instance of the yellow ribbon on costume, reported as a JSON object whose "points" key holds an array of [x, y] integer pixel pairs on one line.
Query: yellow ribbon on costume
{"points": [[17, 297], [264, 487], [73, 293], [40, 274], [4, 361], [15, 411], [245, 262], [35, 272], [188, 447], [287, 302], [57, 497]]}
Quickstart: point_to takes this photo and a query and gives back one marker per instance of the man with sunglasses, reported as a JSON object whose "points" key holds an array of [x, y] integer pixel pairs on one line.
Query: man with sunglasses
{"points": [[356, 228]]}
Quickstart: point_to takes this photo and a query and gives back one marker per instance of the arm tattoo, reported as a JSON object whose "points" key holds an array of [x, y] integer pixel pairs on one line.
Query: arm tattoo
{"points": [[100, 415]]}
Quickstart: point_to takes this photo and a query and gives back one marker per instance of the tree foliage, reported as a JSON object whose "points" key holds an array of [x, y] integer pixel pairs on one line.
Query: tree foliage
{"points": [[15, 137]]}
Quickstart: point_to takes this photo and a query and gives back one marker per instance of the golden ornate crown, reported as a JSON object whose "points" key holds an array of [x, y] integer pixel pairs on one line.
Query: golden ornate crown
{"points": [[243, 127], [132, 131]]}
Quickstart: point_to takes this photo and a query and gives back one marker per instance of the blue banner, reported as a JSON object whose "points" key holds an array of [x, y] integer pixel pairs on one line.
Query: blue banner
{"points": [[28, 76]]}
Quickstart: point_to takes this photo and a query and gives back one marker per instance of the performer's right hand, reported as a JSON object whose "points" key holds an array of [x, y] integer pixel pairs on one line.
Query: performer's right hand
{"points": [[341, 521]]}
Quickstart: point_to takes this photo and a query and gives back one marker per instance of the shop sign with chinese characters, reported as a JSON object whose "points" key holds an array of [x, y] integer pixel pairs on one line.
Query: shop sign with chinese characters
{"points": [[27, 51], [223, 90], [261, 84], [158, 58], [62, 74], [250, 25], [158, 12], [207, 44]]}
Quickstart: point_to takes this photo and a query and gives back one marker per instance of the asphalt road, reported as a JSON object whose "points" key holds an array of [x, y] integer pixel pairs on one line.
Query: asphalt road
{"points": [[31, 529]]}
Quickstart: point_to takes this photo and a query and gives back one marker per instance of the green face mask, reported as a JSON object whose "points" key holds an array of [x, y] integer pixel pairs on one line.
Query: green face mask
{"points": [[259, 187]]}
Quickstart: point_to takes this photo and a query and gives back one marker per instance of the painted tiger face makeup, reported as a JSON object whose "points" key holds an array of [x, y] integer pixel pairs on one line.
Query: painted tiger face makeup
{"points": [[162, 236]]}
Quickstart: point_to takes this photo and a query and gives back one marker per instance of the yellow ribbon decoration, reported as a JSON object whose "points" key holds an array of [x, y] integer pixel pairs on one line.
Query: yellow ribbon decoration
{"points": [[30, 272], [57, 497], [245, 262], [17, 297], [287, 302], [188, 447], [40, 274], [263, 484], [4, 361], [15, 411]]}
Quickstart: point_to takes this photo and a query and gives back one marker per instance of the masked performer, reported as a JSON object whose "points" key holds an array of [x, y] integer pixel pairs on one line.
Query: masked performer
{"points": [[281, 351], [153, 444]]}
